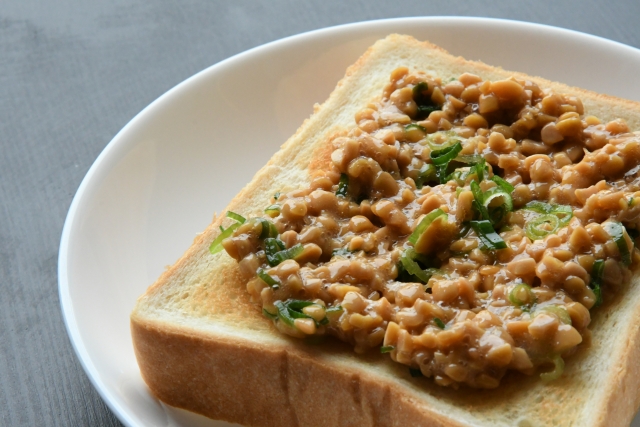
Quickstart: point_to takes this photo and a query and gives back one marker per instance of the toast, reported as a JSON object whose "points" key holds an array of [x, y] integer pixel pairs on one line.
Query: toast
{"points": [[202, 345]]}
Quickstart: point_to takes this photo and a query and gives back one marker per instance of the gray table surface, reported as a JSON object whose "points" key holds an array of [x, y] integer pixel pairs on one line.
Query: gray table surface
{"points": [[73, 73]]}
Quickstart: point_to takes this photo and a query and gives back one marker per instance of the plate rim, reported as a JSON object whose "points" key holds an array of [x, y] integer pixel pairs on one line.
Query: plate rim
{"points": [[117, 144]]}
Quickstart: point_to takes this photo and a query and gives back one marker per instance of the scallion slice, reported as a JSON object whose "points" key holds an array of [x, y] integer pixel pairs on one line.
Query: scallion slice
{"points": [[268, 229], [542, 226], [470, 159], [479, 169], [273, 210], [216, 245], [272, 247], [444, 156], [558, 369], [442, 139], [343, 185], [291, 309], [563, 212], [597, 273], [266, 278], [414, 126], [427, 173], [334, 309], [506, 187], [387, 349], [522, 295], [284, 255], [412, 267], [424, 224], [478, 200], [439, 323], [617, 231], [496, 193], [283, 313], [487, 235], [420, 93], [237, 217]]}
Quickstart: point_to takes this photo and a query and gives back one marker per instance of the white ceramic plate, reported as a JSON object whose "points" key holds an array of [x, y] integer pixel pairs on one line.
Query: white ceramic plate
{"points": [[160, 179]]}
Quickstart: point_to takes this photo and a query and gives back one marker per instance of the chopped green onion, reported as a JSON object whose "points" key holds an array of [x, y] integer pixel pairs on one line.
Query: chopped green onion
{"points": [[540, 207], [277, 195], [439, 323], [522, 295], [273, 210], [542, 226], [425, 110], [343, 185], [291, 309], [273, 283], [598, 270], [271, 245], [558, 369], [442, 139], [334, 309], [420, 93], [442, 158], [216, 245], [424, 224], [237, 217], [415, 373], [269, 315], [478, 200], [412, 267], [427, 173], [297, 304], [563, 212], [271, 248], [479, 168], [498, 192], [268, 229], [470, 159], [508, 188], [617, 231], [597, 273], [487, 235], [387, 349], [283, 255], [445, 155], [414, 126], [283, 313]]}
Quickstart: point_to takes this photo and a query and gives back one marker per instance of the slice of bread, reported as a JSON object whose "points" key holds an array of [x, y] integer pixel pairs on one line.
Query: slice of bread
{"points": [[203, 346]]}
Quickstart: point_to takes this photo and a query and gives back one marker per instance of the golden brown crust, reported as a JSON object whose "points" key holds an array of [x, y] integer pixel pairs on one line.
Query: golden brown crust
{"points": [[203, 346], [261, 386]]}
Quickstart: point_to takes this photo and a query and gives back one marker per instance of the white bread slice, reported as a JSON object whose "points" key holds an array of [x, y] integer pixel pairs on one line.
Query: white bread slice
{"points": [[202, 346]]}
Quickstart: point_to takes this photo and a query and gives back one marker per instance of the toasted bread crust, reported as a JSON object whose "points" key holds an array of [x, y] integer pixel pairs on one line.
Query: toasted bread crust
{"points": [[202, 345], [239, 381]]}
